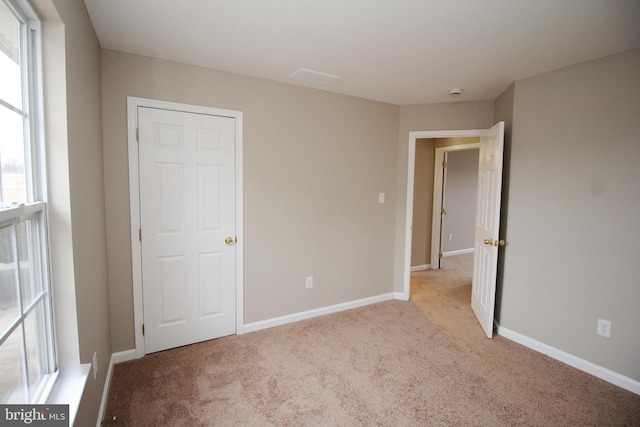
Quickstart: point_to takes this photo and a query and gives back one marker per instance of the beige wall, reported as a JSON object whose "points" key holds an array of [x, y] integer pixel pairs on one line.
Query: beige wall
{"points": [[573, 234], [84, 131], [422, 203], [428, 117], [460, 200], [314, 163]]}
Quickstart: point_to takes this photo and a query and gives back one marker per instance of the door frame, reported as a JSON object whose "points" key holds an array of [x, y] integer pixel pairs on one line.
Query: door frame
{"points": [[134, 199], [411, 167], [439, 196]]}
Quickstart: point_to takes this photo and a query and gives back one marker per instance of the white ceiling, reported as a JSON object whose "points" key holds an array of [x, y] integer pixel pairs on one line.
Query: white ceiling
{"points": [[397, 51]]}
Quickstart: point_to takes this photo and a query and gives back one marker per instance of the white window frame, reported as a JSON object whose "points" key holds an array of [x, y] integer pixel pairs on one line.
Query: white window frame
{"points": [[36, 206]]}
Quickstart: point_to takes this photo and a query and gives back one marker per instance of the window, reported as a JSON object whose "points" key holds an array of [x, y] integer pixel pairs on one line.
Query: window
{"points": [[27, 348]]}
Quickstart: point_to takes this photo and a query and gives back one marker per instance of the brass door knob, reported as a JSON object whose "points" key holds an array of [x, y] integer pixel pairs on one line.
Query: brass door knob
{"points": [[495, 243], [229, 240]]}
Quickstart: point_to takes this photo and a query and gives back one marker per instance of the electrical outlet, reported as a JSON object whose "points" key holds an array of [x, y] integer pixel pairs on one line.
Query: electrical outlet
{"points": [[95, 366], [309, 282], [450, 236], [604, 328]]}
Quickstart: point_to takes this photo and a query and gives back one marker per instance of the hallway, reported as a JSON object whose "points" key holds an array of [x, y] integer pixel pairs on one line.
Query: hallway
{"points": [[445, 294]]}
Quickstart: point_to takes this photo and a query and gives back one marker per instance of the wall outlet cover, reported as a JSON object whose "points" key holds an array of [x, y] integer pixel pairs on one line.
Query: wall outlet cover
{"points": [[604, 328]]}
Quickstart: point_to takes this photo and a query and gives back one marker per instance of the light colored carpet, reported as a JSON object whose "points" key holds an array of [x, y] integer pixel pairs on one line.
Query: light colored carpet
{"points": [[419, 363]]}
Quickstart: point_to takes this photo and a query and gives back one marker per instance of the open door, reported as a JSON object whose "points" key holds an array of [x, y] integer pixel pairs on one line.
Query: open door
{"points": [[487, 241]]}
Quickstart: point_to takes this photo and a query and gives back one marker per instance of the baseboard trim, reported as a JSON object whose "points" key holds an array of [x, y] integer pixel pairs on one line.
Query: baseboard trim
{"points": [[124, 356], [121, 356], [591, 368], [400, 296], [283, 320], [421, 267], [458, 252]]}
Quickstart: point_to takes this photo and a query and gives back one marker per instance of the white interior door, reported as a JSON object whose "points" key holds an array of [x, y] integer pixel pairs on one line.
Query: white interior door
{"points": [[487, 240], [187, 210]]}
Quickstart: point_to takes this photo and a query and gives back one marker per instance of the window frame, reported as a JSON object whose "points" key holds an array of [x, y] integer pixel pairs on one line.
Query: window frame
{"points": [[35, 208]]}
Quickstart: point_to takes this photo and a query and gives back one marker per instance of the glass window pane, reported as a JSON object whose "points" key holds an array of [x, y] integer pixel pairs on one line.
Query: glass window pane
{"points": [[27, 355], [12, 158], [12, 388], [11, 81], [9, 310], [28, 243], [34, 332]]}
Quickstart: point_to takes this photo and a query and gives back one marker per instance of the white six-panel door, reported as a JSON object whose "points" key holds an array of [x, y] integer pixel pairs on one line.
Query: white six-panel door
{"points": [[487, 240], [187, 210]]}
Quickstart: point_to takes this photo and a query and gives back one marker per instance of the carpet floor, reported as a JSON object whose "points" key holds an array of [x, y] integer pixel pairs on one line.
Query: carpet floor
{"points": [[424, 362]]}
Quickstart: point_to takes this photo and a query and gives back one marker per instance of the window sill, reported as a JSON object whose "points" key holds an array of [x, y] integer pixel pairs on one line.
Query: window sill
{"points": [[68, 388]]}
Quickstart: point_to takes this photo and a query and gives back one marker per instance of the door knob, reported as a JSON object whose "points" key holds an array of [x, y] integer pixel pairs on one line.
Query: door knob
{"points": [[229, 240], [499, 243], [488, 241]]}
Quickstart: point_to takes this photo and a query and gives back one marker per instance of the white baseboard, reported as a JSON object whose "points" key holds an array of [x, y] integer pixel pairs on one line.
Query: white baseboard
{"points": [[121, 356], [401, 296], [571, 360], [283, 320], [421, 267], [458, 252]]}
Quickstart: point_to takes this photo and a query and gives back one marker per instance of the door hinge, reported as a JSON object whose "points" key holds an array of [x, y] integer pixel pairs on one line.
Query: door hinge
{"points": [[140, 234], [138, 134], [443, 211], [143, 329], [444, 165], [440, 255]]}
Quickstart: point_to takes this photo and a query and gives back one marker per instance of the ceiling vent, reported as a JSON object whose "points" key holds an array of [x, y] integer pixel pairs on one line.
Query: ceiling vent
{"points": [[313, 77]]}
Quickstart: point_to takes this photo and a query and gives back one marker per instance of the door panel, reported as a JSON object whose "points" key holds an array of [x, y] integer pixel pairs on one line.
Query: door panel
{"points": [[486, 240], [210, 284], [187, 209], [173, 290]]}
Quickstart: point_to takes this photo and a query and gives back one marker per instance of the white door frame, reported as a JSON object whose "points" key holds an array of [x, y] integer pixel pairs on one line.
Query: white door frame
{"points": [[438, 188], [411, 167], [134, 199]]}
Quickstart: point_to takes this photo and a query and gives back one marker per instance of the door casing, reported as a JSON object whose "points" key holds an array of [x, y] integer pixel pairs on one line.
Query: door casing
{"points": [[134, 199]]}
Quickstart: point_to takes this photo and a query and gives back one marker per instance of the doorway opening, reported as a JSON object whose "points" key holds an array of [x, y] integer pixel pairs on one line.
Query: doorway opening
{"points": [[487, 218], [444, 203], [412, 222]]}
